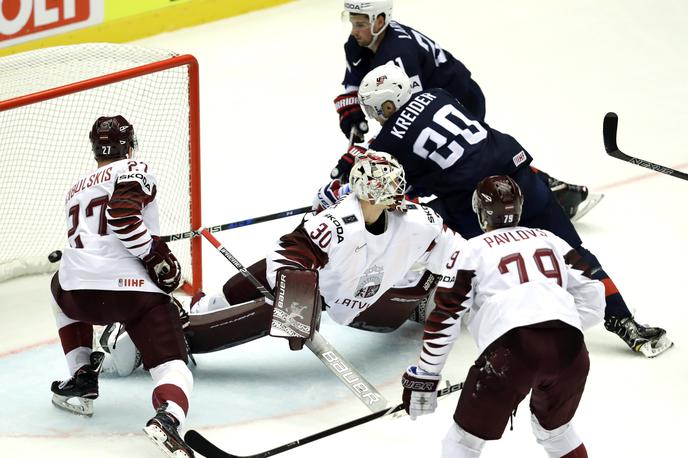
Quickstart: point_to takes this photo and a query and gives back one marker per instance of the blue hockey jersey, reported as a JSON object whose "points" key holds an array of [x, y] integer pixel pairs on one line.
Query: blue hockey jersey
{"points": [[424, 61], [444, 150]]}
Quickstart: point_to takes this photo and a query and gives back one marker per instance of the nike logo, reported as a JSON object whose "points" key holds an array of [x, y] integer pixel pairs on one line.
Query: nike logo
{"points": [[359, 247], [357, 62]]}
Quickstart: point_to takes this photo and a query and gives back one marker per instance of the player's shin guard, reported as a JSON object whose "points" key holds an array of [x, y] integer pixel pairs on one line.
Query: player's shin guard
{"points": [[558, 442], [459, 443]]}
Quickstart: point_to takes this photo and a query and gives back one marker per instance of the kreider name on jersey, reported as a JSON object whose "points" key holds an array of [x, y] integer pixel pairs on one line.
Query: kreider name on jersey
{"points": [[410, 112]]}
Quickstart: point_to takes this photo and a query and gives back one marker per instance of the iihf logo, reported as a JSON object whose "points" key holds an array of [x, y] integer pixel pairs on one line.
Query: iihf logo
{"points": [[380, 80], [130, 282]]}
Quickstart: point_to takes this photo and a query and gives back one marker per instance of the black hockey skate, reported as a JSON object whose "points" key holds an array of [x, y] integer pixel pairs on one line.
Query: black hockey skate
{"points": [[82, 387], [162, 429], [649, 341], [572, 198]]}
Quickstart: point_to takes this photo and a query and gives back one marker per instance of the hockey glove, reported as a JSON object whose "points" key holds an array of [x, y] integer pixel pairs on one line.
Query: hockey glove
{"points": [[329, 194], [420, 392], [351, 116], [162, 266], [345, 163]]}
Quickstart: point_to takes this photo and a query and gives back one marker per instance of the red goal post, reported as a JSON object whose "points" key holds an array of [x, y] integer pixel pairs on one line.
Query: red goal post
{"points": [[49, 99]]}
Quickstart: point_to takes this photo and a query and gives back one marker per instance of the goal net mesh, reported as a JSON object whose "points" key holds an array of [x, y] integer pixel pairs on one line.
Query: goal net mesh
{"points": [[44, 145]]}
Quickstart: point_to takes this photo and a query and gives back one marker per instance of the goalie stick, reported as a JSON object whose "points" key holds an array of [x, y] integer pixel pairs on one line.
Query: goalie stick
{"points": [[206, 448], [609, 126], [328, 355]]}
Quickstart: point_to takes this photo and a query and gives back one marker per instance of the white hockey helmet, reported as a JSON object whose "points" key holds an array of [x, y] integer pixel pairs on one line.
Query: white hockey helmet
{"points": [[384, 83], [372, 9], [378, 178]]}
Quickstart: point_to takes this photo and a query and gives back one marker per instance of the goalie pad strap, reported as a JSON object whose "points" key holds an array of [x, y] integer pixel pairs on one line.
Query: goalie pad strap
{"points": [[296, 312]]}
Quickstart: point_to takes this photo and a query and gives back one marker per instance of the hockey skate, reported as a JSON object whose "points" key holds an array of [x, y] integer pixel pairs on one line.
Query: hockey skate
{"points": [[81, 388], [574, 199], [162, 429], [647, 340]]}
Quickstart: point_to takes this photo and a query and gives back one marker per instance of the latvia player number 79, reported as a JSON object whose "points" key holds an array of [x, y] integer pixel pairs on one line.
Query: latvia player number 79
{"points": [[539, 255]]}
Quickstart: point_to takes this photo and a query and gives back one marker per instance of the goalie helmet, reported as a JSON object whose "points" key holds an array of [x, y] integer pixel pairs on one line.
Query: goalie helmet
{"points": [[384, 83], [111, 137], [378, 178], [370, 8], [497, 200]]}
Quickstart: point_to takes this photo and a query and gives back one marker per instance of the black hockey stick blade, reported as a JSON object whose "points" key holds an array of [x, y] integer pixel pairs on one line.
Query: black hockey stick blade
{"points": [[609, 126], [200, 444]]}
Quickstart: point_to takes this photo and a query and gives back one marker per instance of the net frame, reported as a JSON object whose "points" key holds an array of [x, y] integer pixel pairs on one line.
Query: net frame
{"points": [[193, 278]]}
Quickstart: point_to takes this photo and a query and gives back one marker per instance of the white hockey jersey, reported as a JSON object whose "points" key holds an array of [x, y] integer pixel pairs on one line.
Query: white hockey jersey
{"points": [[513, 277], [111, 216], [357, 267]]}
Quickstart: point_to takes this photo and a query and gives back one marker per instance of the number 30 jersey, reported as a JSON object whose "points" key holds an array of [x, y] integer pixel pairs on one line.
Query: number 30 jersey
{"points": [[111, 217], [443, 149], [357, 267]]}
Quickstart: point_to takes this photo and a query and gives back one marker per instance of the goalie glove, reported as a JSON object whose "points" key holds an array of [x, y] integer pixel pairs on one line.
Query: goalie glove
{"points": [[351, 116], [346, 162], [329, 194], [420, 391], [162, 266]]}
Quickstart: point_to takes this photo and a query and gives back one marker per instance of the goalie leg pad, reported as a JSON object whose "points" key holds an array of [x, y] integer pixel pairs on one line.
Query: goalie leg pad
{"points": [[296, 312]]}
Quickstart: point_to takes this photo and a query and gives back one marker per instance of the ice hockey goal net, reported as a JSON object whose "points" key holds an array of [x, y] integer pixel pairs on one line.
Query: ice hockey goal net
{"points": [[50, 98]]}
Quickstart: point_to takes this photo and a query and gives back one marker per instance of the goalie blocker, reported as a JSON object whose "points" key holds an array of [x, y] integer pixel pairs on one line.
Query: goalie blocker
{"points": [[296, 307]]}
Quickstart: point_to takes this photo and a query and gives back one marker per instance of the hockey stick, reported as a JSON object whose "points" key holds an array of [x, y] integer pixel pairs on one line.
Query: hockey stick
{"points": [[206, 448], [328, 355], [611, 121], [235, 224], [57, 254]]}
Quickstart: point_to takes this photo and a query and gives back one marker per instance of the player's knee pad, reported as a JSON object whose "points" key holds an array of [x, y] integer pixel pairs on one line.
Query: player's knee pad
{"points": [[596, 270], [556, 442], [296, 307], [459, 443]]}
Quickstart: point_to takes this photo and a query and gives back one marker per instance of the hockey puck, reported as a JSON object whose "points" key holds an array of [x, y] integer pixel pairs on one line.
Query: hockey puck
{"points": [[55, 256]]}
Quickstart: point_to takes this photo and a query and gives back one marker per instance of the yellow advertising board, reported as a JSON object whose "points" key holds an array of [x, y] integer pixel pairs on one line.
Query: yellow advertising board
{"points": [[32, 24]]}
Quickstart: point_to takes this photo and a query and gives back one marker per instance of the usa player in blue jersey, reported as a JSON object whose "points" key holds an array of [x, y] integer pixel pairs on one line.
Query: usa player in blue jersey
{"points": [[446, 151], [376, 39]]}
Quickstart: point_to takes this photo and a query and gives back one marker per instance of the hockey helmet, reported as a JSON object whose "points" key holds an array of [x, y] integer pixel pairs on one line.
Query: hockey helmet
{"points": [[384, 83], [370, 8], [498, 201], [111, 137], [378, 178]]}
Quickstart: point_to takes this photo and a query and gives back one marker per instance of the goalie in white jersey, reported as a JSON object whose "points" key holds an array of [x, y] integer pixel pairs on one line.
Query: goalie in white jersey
{"points": [[373, 257], [116, 269], [526, 296]]}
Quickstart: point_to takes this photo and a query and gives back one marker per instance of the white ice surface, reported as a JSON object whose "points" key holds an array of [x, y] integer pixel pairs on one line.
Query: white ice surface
{"points": [[550, 70]]}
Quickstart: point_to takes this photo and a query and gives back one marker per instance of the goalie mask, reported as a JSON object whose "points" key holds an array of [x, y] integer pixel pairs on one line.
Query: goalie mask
{"points": [[111, 137], [378, 178], [370, 8], [497, 200], [382, 84]]}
